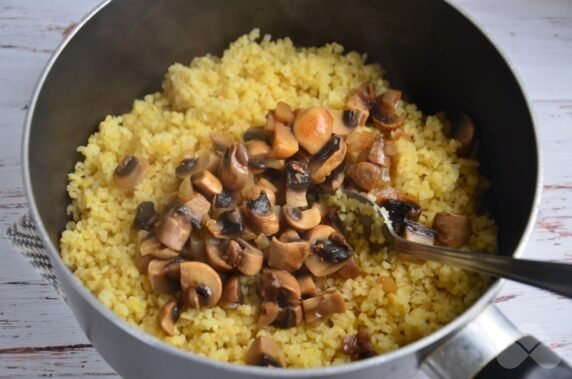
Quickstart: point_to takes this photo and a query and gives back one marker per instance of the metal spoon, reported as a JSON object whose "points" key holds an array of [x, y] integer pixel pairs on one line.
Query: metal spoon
{"points": [[555, 277]]}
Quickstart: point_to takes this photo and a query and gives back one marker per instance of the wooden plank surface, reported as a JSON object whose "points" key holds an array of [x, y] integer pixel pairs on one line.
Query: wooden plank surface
{"points": [[38, 334]]}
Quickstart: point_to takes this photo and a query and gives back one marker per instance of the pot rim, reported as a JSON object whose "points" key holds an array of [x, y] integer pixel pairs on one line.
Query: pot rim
{"points": [[155, 342]]}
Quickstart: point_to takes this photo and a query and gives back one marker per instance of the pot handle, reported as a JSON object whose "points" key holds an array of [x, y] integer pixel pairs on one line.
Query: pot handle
{"points": [[491, 347]]}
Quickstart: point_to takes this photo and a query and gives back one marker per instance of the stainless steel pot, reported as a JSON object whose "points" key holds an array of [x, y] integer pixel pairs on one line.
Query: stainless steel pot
{"points": [[430, 50]]}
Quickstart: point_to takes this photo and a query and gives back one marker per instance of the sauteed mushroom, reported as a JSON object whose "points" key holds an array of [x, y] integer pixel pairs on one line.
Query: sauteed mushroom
{"points": [[297, 182], [347, 120], [313, 128], [284, 144], [453, 230], [327, 159], [175, 228], [288, 256], [377, 153], [324, 305], [196, 209], [419, 233], [307, 286], [207, 183], [154, 248], [234, 167], [229, 224], [257, 133], [399, 210], [369, 176], [130, 172], [280, 287], [261, 216], [362, 99], [464, 132], [302, 220], [231, 295], [265, 352], [160, 282], [284, 113], [168, 317], [328, 254], [201, 285], [192, 166], [359, 345], [145, 216], [384, 114]]}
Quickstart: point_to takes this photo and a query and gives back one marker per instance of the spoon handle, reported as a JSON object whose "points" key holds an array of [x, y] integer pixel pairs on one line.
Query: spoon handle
{"points": [[555, 277]]}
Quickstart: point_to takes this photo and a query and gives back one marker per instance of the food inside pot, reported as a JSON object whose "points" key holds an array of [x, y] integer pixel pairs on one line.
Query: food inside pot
{"points": [[213, 217]]}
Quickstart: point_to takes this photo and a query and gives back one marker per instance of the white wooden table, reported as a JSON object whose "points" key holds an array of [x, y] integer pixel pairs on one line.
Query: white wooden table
{"points": [[39, 335]]}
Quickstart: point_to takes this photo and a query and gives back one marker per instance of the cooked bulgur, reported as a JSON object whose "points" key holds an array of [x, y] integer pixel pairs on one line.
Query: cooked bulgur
{"points": [[399, 301]]}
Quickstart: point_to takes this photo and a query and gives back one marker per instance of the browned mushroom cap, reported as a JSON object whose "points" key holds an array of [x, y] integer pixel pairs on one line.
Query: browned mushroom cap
{"points": [[280, 287], [324, 305], [359, 143], [362, 98], [168, 317], [349, 271], [154, 248], [399, 210], [261, 216], [297, 182], [307, 286], [328, 255], [175, 228], [158, 278], [383, 112], [229, 224], [254, 193], [419, 233], [453, 230], [359, 345], [220, 142], [207, 183], [464, 132], [327, 159], [130, 172], [145, 216], [284, 144], [197, 209], [266, 353], [201, 285], [377, 153], [192, 166], [302, 220], [368, 176], [231, 294], [313, 128], [346, 121], [234, 167], [287, 256]]}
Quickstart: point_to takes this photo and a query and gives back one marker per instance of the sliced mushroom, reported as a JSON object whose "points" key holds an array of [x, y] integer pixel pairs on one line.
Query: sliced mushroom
{"points": [[463, 131], [324, 305], [201, 285], [335, 179], [289, 316], [399, 210], [222, 202], [287, 256], [368, 176], [284, 144], [257, 133], [168, 317], [362, 98], [302, 220], [359, 144], [197, 249], [350, 270], [231, 294], [186, 190], [268, 313], [263, 182], [228, 225], [359, 345], [258, 165], [192, 166], [251, 259], [284, 113], [261, 216], [297, 182], [384, 114], [313, 128], [218, 254], [141, 261], [320, 232], [154, 248], [452, 229], [328, 255], [160, 282], [347, 120], [234, 167], [280, 287], [257, 149], [207, 183], [419, 233], [145, 216], [220, 142], [307, 286], [175, 228], [196, 209], [327, 159], [130, 172], [266, 353], [377, 153], [289, 235]]}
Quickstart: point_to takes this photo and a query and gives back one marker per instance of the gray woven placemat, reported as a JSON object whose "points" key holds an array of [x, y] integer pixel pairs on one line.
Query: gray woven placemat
{"points": [[25, 239]]}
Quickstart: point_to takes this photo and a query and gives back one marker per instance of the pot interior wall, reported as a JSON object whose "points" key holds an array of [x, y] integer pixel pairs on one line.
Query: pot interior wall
{"points": [[441, 61]]}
